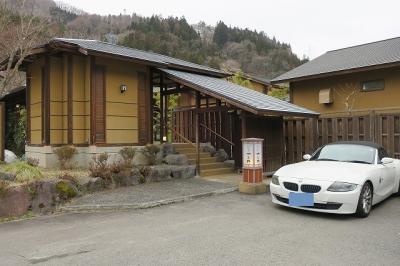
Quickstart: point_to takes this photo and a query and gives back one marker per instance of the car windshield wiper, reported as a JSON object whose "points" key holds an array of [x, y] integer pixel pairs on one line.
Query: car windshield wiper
{"points": [[326, 159], [357, 161]]}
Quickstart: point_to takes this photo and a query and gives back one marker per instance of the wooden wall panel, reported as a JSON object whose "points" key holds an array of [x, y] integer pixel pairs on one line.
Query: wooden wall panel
{"points": [[383, 129]]}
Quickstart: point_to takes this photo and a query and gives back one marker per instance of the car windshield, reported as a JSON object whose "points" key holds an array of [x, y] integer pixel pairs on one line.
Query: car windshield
{"points": [[346, 153]]}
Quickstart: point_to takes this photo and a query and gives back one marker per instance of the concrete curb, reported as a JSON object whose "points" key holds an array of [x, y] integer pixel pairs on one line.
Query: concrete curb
{"points": [[146, 205]]}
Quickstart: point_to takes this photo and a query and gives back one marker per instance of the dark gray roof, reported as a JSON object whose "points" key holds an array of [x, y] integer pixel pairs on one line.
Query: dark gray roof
{"points": [[13, 91], [264, 81], [237, 95], [162, 60], [365, 55]]}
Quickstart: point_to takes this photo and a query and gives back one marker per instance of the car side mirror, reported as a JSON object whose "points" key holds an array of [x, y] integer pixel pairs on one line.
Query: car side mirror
{"points": [[387, 160], [306, 157]]}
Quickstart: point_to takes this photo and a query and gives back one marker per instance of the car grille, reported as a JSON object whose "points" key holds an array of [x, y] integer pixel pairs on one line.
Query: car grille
{"points": [[291, 186], [310, 188], [320, 206]]}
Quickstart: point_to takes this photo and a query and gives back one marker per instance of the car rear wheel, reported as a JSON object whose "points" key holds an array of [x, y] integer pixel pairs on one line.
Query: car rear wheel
{"points": [[365, 201], [398, 191]]}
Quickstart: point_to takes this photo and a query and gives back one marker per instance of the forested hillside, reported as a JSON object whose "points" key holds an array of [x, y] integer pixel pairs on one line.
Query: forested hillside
{"points": [[219, 46]]}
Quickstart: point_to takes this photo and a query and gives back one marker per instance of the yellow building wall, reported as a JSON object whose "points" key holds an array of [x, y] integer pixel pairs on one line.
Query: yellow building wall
{"points": [[257, 86], [306, 93], [80, 100], [56, 100], [35, 71], [121, 108]]}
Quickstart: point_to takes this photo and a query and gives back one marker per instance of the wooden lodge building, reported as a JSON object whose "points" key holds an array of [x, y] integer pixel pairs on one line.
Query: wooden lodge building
{"points": [[355, 89], [349, 81], [99, 98]]}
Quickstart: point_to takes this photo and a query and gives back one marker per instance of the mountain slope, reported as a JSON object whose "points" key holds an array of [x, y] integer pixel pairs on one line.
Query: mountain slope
{"points": [[221, 46]]}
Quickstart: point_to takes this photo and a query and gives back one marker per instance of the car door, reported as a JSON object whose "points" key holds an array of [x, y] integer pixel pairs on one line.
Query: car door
{"points": [[387, 176]]}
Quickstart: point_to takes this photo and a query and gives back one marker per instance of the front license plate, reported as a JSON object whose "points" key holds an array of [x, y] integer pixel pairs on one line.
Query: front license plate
{"points": [[301, 199]]}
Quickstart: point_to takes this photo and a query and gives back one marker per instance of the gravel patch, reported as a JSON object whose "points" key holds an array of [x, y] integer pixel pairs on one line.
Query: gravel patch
{"points": [[150, 192]]}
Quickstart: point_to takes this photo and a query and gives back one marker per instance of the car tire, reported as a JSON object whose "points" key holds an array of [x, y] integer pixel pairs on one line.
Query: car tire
{"points": [[364, 205], [398, 190]]}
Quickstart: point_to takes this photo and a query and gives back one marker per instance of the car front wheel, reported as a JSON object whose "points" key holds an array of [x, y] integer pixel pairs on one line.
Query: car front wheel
{"points": [[365, 201]]}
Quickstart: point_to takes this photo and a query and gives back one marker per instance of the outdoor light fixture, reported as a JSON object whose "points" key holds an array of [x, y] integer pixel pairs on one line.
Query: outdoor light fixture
{"points": [[164, 138], [123, 88], [252, 155]]}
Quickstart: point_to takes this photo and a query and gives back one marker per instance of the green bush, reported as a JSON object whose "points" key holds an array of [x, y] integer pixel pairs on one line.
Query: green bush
{"points": [[99, 166], [65, 190], [64, 155], [23, 171], [16, 131]]}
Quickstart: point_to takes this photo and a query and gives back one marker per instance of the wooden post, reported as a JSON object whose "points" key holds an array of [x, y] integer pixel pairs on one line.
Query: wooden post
{"points": [[165, 114], [372, 126], [2, 129], [197, 132], [161, 107], [243, 122], [151, 112]]}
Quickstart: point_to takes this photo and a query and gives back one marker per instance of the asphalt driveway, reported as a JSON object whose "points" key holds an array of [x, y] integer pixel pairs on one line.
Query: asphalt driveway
{"points": [[232, 229]]}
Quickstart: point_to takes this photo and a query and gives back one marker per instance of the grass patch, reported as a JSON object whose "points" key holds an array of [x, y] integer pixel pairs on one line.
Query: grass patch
{"points": [[56, 173], [23, 171], [27, 215]]}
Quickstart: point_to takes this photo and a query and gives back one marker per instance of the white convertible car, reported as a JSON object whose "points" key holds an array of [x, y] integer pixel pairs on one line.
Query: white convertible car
{"points": [[341, 177]]}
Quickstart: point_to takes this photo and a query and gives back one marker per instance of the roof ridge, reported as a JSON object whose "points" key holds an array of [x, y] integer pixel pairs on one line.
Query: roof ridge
{"points": [[139, 50], [363, 44]]}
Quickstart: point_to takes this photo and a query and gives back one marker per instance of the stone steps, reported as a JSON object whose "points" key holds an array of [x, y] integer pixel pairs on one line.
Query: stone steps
{"points": [[194, 155], [208, 164], [217, 171]]}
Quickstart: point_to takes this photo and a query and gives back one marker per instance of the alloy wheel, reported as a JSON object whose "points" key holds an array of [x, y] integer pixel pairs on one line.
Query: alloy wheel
{"points": [[367, 199]]}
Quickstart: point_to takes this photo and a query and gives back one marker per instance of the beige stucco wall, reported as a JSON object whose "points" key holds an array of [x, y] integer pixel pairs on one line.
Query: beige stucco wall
{"points": [[306, 93]]}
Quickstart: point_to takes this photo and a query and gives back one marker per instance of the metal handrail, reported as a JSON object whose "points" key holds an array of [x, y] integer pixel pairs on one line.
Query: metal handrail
{"points": [[221, 137], [218, 135], [181, 136]]}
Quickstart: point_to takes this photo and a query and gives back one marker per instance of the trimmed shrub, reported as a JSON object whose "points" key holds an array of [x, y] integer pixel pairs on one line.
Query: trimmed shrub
{"points": [[99, 166], [150, 151], [64, 155], [23, 171], [117, 166], [127, 154]]}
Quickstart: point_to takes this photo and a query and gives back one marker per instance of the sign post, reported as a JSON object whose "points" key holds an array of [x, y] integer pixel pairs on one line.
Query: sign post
{"points": [[252, 154]]}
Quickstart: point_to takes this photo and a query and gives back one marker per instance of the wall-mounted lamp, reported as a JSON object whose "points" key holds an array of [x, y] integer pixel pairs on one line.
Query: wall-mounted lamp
{"points": [[123, 88]]}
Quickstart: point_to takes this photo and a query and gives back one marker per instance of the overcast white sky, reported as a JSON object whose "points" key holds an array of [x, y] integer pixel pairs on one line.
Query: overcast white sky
{"points": [[312, 27]]}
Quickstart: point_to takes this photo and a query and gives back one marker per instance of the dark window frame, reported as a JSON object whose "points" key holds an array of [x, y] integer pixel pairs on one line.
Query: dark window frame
{"points": [[373, 80]]}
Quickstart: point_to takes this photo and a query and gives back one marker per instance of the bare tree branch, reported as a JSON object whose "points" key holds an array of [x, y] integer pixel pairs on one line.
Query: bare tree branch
{"points": [[19, 34], [349, 92]]}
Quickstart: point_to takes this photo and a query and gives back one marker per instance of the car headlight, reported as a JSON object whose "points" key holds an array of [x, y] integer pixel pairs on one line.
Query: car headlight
{"points": [[342, 187], [275, 180]]}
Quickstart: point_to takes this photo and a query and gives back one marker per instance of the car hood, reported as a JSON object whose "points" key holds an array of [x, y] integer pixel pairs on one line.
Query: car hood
{"points": [[327, 171]]}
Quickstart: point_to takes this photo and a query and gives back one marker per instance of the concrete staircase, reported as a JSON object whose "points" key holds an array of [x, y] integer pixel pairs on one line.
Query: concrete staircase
{"points": [[208, 165]]}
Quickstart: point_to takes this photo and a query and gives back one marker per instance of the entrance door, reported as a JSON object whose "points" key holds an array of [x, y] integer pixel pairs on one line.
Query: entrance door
{"points": [[98, 122]]}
